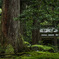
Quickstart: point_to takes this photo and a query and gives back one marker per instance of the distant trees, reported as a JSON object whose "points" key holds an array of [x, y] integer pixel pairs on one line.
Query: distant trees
{"points": [[39, 12], [10, 27]]}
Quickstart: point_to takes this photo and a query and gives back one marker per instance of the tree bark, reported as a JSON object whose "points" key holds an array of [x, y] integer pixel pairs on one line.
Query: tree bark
{"points": [[10, 27], [35, 33]]}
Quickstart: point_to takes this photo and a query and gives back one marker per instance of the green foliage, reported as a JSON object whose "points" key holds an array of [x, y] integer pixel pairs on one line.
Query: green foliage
{"points": [[44, 11], [9, 49], [28, 31], [48, 10], [46, 23]]}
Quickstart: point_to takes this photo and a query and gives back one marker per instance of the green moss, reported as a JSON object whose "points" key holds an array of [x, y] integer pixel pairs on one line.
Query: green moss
{"points": [[43, 47], [36, 55], [9, 49], [0, 10], [41, 55], [1, 49], [27, 43], [26, 46]]}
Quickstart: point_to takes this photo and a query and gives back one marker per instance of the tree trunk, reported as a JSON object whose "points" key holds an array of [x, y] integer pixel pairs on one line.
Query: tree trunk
{"points": [[22, 23], [10, 27], [35, 33]]}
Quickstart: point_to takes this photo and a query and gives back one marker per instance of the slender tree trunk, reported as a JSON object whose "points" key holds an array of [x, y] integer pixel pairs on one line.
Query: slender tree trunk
{"points": [[35, 33], [36, 24], [10, 27]]}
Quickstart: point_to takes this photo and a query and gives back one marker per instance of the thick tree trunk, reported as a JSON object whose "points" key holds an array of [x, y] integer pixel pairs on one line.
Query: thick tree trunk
{"points": [[10, 27]]}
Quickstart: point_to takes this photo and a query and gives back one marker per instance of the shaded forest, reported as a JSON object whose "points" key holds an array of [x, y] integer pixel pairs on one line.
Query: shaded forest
{"points": [[29, 29]]}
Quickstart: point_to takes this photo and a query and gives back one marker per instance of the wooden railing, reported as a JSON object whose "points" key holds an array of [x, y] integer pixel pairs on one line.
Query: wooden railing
{"points": [[49, 34]]}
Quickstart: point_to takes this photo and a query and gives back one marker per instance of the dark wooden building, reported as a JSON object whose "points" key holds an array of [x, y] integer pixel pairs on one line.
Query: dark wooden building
{"points": [[49, 35]]}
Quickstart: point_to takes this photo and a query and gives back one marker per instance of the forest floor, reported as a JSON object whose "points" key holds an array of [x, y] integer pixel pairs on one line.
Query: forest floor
{"points": [[34, 55]]}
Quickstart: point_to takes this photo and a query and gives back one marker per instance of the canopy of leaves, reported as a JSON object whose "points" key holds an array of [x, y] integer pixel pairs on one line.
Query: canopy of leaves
{"points": [[41, 10]]}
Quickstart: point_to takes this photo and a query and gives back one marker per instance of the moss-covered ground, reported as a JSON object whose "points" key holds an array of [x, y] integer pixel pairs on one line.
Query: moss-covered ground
{"points": [[40, 55], [34, 55]]}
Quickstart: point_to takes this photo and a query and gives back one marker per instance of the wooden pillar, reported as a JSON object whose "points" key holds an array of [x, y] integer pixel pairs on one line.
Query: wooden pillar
{"points": [[40, 38], [55, 42]]}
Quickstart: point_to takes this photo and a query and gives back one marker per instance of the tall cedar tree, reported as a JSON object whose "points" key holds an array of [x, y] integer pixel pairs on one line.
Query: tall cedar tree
{"points": [[10, 27]]}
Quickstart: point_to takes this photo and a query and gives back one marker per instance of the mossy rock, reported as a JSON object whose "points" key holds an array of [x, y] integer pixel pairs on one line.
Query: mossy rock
{"points": [[42, 48], [9, 49], [36, 47]]}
